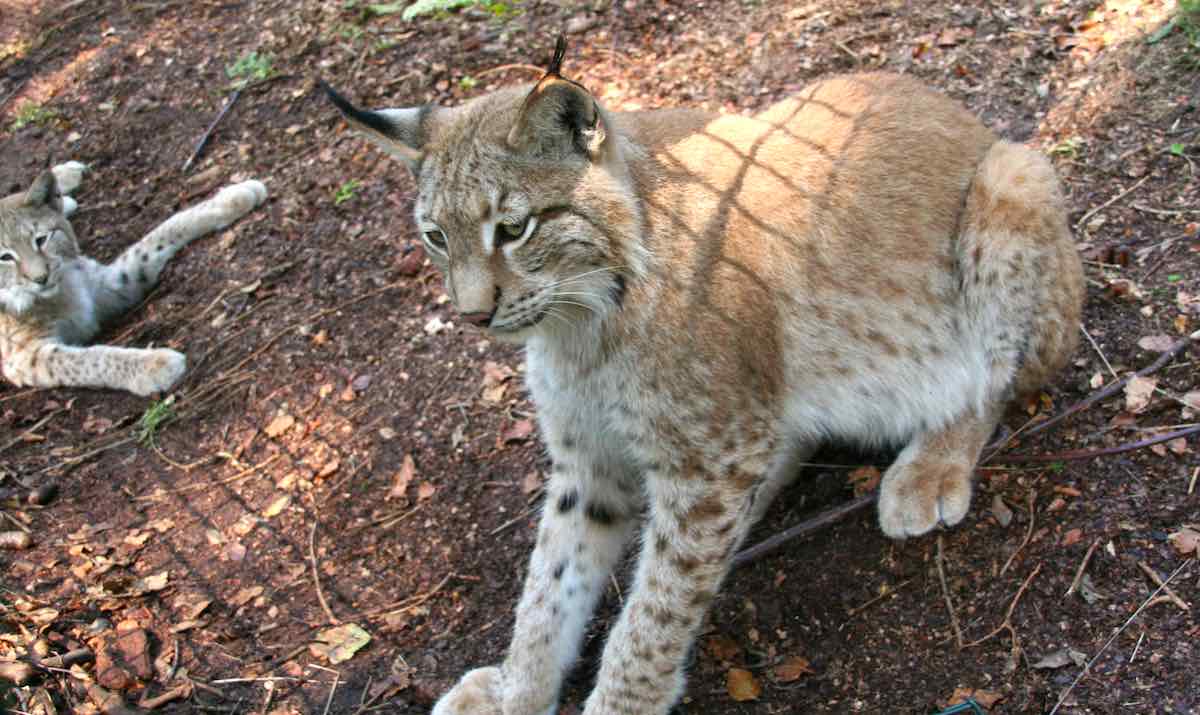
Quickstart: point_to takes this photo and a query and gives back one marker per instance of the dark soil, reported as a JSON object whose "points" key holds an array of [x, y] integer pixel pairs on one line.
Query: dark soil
{"points": [[313, 378]]}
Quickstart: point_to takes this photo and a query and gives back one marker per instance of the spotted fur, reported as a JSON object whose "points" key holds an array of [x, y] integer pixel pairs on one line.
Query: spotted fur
{"points": [[53, 299], [705, 299]]}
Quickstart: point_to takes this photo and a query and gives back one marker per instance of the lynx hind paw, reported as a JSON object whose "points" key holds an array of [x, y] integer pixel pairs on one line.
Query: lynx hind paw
{"points": [[69, 176], [161, 370], [476, 693], [241, 199], [914, 499]]}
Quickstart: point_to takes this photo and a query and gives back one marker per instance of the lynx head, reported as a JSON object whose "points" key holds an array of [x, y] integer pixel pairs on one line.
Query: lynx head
{"points": [[35, 240], [524, 201]]}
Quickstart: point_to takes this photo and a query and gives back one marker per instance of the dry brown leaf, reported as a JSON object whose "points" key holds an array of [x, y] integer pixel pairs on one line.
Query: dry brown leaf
{"points": [[1191, 403], [425, 490], [722, 648], [1000, 510], [246, 595], [864, 480], [408, 469], [277, 506], [741, 685], [340, 643], [518, 431], [282, 423], [532, 482], [1072, 537], [1138, 392], [987, 699], [1186, 541], [793, 669]]}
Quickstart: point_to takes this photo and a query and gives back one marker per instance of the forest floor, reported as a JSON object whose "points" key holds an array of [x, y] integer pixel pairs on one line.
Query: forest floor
{"points": [[342, 452]]}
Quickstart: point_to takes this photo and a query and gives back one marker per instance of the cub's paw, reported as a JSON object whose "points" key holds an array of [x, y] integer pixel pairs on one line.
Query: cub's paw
{"points": [[477, 693], [240, 199], [69, 176], [161, 369], [914, 498]]}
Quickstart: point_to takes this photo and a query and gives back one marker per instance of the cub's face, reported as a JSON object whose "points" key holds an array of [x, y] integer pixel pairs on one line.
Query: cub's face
{"points": [[528, 223], [36, 240]]}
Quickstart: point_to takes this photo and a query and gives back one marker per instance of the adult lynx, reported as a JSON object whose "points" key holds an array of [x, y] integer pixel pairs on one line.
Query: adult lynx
{"points": [[705, 299], [52, 299]]}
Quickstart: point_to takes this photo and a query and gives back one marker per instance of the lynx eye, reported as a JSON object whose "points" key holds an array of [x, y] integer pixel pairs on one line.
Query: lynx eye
{"points": [[437, 238], [7, 258], [510, 231], [40, 241]]}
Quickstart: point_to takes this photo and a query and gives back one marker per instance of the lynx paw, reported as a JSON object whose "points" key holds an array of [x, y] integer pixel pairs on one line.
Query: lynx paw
{"points": [[481, 692], [69, 176], [914, 498], [477, 693], [161, 370], [240, 199]]}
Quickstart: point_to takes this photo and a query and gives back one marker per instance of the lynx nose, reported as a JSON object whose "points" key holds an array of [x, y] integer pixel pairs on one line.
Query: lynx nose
{"points": [[479, 318]]}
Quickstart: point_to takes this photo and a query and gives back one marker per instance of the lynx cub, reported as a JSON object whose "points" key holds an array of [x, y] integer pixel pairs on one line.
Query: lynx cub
{"points": [[53, 299], [704, 300]]}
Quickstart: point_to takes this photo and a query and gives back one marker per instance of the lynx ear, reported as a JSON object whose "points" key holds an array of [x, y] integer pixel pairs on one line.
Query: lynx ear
{"points": [[44, 192], [396, 131], [559, 116]]}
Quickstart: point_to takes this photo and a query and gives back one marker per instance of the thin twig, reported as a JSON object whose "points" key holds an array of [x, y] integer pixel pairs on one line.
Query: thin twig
{"points": [[312, 556], [1089, 454], [1083, 567], [1088, 666], [1145, 567], [40, 424], [1165, 212], [1099, 352], [887, 592], [1007, 622], [208, 132], [804, 528], [409, 603], [958, 639], [1110, 390], [1110, 202], [1028, 533]]}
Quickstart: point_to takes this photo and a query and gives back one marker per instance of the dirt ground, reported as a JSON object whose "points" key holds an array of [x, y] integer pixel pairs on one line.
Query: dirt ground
{"points": [[342, 451]]}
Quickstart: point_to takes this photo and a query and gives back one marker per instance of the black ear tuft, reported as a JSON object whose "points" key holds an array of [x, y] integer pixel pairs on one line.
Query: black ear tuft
{"points": [[560, 53], [370, 120]]}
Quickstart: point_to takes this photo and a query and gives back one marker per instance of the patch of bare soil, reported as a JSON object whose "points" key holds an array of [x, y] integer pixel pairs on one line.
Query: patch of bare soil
{"points": [[343, 453]]}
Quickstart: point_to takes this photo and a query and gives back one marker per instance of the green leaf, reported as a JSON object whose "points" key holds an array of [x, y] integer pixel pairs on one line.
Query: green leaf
{"points": [[1177, 148], [340, 643], [386, 8]]}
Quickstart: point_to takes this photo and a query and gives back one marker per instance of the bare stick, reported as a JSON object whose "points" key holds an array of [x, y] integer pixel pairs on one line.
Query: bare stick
{"points": [[208, 132], [1088, 666], [1028, 533], [1183, 605], [1082, 567], [1006, 624], [1179, 346], [1089, 454], [804, 528], [312, 557], [409, 603], [1165, 212], [888, 592], [946, 594], [1099, 352], [66, 660], [177, 693], [40, 424], [1110, 202]]}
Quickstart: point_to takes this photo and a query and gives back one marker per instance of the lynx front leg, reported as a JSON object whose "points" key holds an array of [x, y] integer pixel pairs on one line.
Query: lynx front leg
{"points": [[127, 279], [587, 520], [49, 364], [930, 482], [697, 519]]}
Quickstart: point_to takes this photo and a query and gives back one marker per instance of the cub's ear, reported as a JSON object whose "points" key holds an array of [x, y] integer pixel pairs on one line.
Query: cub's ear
{"points": [[397, 131], [44, 193], [559, 116]]}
